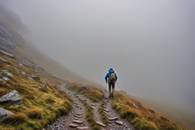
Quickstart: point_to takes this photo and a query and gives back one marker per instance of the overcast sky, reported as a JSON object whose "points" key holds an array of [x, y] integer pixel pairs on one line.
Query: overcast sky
{"points": [[150, 43]]}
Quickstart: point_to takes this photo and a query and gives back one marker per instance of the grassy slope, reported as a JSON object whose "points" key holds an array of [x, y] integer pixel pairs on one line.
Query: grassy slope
{"points": [[141, 117], [40, 105]]}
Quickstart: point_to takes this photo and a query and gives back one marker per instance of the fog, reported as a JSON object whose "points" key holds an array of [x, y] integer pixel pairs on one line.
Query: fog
{"points": [[150, 44]]}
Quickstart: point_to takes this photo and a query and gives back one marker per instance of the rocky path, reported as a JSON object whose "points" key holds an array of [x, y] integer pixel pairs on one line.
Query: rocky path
{"points": [[76, 117], [75, 120]]}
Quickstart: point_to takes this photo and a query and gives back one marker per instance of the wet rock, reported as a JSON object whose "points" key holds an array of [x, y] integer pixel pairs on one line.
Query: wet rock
{"points": [[100, 124], [83, 128], [119, 122], [4, 114], [73, 125], [12, 96]]}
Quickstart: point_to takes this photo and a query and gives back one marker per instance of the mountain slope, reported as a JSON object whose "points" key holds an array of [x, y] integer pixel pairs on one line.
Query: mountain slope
{"points": [[29, 98]]}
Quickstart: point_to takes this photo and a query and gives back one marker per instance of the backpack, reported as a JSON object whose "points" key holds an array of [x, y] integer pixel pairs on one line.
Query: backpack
{"points": [[112, 77]]}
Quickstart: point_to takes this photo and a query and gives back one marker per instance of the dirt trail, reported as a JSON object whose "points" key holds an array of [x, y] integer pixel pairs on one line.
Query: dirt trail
{"points": [[75, 120]]}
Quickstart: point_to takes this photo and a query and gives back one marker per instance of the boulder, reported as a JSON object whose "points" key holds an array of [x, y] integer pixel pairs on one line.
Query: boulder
{"points": [[12, 96], [4, 114]]}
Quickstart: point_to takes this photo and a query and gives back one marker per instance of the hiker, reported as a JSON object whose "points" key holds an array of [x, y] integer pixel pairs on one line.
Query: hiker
{"points": [[111, 79]]}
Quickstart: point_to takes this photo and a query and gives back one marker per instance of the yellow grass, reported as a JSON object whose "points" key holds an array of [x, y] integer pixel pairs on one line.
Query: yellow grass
{"points": [[141, 117], [40, 105]]}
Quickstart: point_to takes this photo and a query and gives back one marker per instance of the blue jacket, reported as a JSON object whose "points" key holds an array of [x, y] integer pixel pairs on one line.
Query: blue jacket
{"points": [[110, 71]]}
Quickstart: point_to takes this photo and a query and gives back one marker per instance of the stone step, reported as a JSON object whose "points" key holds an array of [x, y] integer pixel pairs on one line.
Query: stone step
{"points": [[83, 128], [72, 125], [112, 118], [77, 121], [106, 110], [119, 122], [78, 116], [100, 124]]}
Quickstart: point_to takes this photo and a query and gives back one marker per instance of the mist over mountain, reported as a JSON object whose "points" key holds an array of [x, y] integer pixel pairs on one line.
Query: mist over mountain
{"points": [[150, 44], [14, 39]]}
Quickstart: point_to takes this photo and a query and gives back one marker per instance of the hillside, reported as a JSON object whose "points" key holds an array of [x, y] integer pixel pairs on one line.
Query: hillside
{"points": [[36, 93], [28, 95]]}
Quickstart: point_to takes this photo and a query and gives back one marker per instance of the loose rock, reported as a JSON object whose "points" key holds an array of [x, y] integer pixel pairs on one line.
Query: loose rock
{"points": [[12, 96]]}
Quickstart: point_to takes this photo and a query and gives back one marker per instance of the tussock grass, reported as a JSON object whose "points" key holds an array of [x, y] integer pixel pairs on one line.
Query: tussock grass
{"points": [[141, 117], [42, 103], [93, 93]]}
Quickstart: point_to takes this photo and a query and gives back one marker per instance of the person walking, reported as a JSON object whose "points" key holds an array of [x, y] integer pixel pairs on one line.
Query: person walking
{"points": [[111, 79]]}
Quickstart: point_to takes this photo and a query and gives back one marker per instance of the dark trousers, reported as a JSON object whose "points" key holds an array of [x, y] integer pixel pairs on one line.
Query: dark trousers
{"points": [[111, 86]]}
